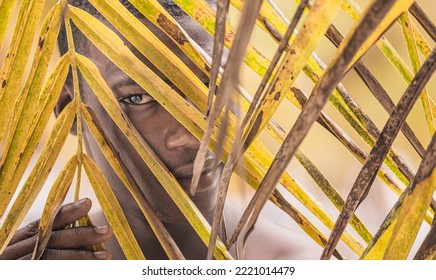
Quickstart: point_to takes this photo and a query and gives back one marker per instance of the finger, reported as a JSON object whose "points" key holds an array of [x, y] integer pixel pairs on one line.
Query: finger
{"points": [[72, 238], [69, 213], [51, 254], [79, 237], [25, 232], [19, 249]]}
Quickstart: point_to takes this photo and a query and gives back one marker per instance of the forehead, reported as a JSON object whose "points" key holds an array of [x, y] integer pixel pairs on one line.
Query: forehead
{"points": [[107, 67]]}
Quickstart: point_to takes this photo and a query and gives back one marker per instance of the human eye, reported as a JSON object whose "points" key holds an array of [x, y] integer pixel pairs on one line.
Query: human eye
{"points": [[137, 99]]}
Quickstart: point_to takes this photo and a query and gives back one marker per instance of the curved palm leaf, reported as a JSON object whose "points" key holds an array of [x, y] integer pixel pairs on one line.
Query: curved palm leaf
{"points": [[20, 132]]}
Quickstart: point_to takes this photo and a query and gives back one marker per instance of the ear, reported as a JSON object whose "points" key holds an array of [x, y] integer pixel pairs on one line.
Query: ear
{"points": [[66, 96]]}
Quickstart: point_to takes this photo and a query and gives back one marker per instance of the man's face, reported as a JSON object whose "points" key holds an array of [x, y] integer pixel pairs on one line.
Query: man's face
{"points": [[172, 143]]}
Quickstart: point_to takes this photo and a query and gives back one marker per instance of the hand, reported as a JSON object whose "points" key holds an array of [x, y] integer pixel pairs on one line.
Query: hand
{"points": [[64, 244]]}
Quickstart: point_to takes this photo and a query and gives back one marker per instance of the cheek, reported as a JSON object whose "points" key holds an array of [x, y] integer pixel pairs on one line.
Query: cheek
{"points": [[153, 126]]}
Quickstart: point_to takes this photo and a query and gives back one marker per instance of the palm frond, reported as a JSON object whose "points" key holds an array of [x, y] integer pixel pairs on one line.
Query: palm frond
{"points": [[229, 118]]}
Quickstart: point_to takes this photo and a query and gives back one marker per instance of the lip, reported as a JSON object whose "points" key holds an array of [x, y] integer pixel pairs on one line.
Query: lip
{"points": [[208, 176], [186, 171]]}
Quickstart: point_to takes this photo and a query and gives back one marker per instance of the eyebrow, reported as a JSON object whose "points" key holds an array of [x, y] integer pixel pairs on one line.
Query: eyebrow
{"points": [[124, 82], [127, 81]]}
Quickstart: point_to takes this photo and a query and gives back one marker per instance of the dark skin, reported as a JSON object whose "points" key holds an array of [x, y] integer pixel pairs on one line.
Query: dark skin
{"points": [[175, 146], [65, 244]]}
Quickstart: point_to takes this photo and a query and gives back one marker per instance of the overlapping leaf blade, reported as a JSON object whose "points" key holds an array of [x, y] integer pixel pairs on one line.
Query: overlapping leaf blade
{"points": [[12, 70], [257, 158], [34, 108], [54, 202], [164, 238], [38, 176], [415, 205], [105, 95], [174, 103], [6, 8], [367, 174], [112, 210]]}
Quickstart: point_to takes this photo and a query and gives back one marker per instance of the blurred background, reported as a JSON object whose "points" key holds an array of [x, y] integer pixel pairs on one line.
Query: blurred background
{"points": [[331, 157], [338, 165]]}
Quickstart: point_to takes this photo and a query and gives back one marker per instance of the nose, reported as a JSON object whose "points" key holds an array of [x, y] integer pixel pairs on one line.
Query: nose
{"points": [[180, 137]]}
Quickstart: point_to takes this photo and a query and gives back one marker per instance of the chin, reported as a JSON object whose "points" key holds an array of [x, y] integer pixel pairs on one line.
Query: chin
{"points": [[175, 217], [204, 199]]}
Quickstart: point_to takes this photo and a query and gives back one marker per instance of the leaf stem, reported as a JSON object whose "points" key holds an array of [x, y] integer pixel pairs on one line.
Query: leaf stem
{"points": [[77, 97]]}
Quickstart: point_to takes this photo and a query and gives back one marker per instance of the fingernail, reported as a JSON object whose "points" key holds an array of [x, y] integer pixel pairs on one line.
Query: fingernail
{"points": [[80, 203], [101, 229], [102, 255]]}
